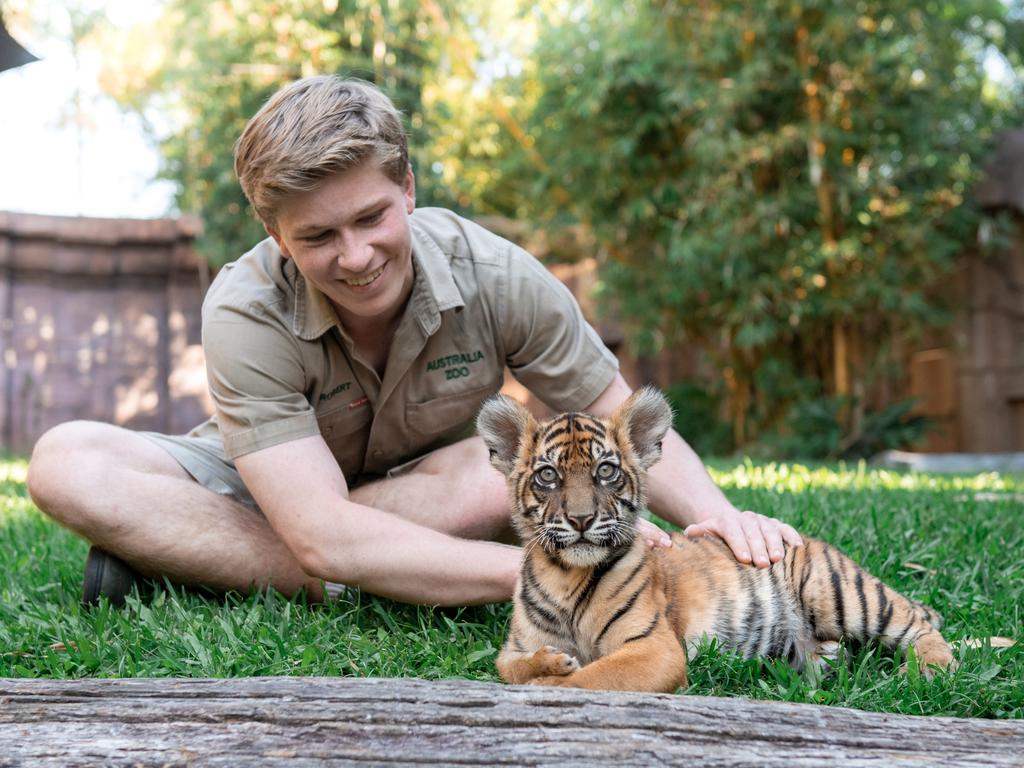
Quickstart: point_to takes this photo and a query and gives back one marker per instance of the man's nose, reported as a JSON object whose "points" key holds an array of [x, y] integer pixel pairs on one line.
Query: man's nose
{"points": [[354, 254]]}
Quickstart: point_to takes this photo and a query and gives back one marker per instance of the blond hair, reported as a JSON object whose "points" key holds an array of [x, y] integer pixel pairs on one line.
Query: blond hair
{"points": [[312, 129]]}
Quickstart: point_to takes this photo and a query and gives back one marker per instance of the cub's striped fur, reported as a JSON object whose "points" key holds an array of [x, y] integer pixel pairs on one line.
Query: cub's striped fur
{"points": [[595, 608]]}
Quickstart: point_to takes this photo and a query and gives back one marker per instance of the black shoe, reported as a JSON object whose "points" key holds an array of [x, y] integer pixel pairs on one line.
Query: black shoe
{"points": [[108, 576]]}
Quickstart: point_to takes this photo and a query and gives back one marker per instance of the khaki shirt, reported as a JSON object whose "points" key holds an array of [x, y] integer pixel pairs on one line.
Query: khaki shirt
{"points": [[281, 367]]}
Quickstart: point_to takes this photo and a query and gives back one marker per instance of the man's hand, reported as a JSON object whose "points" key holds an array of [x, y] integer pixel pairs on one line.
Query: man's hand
{"points": [[652, 534], [751, 537], [681, 491]]}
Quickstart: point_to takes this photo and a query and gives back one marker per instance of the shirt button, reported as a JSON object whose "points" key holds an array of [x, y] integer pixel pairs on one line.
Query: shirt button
{"points": [[378, 453]]}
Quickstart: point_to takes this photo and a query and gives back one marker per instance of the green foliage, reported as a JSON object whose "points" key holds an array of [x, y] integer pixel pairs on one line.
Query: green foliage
{"points": [[774, 182], [894, 426], [785, 185], [695, 411], [813, 429], [217, 62]]}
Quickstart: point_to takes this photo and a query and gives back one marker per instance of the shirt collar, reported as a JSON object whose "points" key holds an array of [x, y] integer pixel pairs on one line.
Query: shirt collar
{"points": [[314, 314], [434, 291]]}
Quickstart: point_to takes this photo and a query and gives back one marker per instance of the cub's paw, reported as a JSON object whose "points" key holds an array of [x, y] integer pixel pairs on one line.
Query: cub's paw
{"points": [[824, 652], [551, 661], [933, 655]]}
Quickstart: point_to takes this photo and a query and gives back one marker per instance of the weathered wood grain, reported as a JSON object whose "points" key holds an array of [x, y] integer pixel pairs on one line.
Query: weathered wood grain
{"points": [[316, 721]]}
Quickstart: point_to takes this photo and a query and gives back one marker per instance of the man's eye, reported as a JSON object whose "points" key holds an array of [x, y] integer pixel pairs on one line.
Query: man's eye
{"points": [[545, 475], [373, 218], [607, 471], [319, 237]]}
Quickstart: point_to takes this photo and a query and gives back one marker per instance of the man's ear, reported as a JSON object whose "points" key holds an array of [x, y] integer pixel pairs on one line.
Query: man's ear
{"points": [[504, 423], [277, 239], [410, 191], [644, 419]]}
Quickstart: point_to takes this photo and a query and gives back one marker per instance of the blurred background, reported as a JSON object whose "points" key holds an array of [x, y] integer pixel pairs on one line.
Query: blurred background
{"points": [[801, 219]]}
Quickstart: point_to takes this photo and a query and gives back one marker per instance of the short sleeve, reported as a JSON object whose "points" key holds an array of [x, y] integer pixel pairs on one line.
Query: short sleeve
{"points": [[257, 380], [549, 346]]}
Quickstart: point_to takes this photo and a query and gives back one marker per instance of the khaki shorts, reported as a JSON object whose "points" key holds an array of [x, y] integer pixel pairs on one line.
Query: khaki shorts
{"points": [[203, 458]]}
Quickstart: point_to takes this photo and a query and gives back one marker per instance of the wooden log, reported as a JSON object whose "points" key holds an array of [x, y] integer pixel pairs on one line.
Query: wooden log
{"points": [[305, 721]]}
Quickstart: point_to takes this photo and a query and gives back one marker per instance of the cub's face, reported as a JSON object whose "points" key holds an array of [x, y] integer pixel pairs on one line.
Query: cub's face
{"points": [[576, 496], [576, 481]]}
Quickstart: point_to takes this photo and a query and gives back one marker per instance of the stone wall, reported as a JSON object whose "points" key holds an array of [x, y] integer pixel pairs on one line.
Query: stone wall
{"points": [[99, 319]]}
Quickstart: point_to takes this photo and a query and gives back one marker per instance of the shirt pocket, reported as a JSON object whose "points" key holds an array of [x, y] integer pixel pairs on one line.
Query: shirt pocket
{"points": [[346, 432], [447, 419]]}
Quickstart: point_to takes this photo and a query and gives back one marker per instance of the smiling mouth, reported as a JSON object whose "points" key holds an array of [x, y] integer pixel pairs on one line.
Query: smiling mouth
{"points": [[358, 282]]}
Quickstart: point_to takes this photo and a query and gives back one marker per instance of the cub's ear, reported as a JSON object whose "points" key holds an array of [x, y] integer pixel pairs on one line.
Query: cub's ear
{"points": [[502, 423], [644, 418]]}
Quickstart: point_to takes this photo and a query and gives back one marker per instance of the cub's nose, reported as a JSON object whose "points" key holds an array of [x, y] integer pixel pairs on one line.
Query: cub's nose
{"points": [[581, 521]]}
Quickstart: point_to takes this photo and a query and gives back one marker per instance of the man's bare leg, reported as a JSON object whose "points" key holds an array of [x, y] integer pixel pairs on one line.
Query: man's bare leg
{"points": [[454, 490], [127, 495]]}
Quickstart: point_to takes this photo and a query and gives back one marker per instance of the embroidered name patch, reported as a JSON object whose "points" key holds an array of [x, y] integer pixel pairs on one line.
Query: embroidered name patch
{"points": [[336, 391], [455, 366]]}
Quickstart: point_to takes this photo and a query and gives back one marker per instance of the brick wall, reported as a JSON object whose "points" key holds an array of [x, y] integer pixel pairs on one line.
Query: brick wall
{"points": [[99, 319]]}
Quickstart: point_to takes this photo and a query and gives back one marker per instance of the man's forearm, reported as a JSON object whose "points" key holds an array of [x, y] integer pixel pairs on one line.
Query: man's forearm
{"points": [[681, 491], [305, 499], [392, 557], [679, 487]]}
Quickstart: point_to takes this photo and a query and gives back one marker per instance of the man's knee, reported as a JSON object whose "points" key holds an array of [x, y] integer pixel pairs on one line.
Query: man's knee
{"points": [[453, 489], [480, 506], [59, 458], [467, 456], [78, 458]]}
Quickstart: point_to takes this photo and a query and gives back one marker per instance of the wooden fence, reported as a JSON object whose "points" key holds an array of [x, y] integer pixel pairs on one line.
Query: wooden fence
{"points": [[99, 319]]}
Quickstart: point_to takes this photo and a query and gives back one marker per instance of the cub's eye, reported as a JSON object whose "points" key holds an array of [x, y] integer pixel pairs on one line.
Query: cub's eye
{"points": [[545, 476], [607, 471]]}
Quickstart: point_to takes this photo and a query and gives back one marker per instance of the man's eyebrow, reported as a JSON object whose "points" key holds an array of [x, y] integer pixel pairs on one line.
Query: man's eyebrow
{"points": [[310, 230], [314, 228], [307, 230]]}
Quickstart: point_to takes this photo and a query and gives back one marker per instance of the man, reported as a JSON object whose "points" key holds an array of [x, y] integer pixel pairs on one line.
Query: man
{"points": [[347, 356]]}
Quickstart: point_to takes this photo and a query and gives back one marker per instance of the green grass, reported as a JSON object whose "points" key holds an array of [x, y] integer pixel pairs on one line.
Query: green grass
{"points": [[961, 536]]}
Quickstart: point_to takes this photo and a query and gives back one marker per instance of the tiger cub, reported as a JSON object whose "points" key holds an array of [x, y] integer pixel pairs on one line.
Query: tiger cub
{"points": [[594, 607]]}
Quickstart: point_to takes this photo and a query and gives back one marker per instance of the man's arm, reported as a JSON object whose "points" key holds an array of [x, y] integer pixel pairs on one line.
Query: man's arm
{"points": [[681, 491], [303, 494]]}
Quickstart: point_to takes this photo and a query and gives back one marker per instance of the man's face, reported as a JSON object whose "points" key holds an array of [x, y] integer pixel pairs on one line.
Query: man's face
{"points": [[350, 238]]}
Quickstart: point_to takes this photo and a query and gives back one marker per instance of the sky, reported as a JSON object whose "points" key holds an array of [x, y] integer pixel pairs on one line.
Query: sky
{"points": [[41, 169]]}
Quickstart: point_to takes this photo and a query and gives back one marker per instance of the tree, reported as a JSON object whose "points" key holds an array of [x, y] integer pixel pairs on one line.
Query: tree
{"points": [[783, 184], [205, 68]]}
